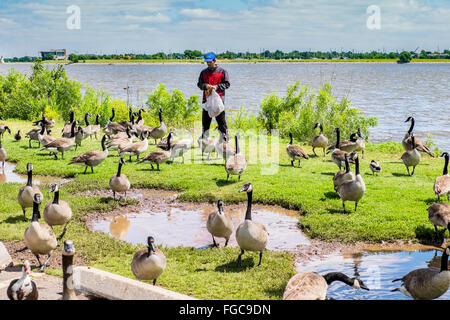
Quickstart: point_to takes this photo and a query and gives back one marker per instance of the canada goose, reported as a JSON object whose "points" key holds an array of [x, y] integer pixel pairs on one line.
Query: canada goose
{"points": [[119, 182], [2, 155], [159, 156], [219, 224], [91, 158], [352, 190], [148, 264], [44, 138], [62, 144], [375, 167], [46, 121], [27, 192], [360, 143], [18, 136], [319, 141], [121, 143], [343, 175], [180, 147], [67, 129], [407, 141], [4, 128], [39, 238], [34, 135], [58, 212], [411, 158], [136, 148], [128, 124], [250, 236], [346, 145], [313, 286], [338, 155], [207, 145], [113, 127], [140, 121], [159, 132], [223, 148], [68, 253], [23, 288], [442, 183], [79, 137], [439, 215], [295, 152], [87, 130], [236, 164], [427, 283], [95, 128], [162, 144]]}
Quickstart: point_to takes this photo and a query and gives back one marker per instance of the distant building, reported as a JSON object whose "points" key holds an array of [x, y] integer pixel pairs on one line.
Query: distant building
{"points": [[58, 54]]}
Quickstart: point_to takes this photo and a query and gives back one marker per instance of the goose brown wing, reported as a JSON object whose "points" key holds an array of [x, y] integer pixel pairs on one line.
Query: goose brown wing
{"points": [[297, 151]]}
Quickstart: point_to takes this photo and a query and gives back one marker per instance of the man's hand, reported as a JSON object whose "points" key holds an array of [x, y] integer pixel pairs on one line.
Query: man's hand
{"points": [[209, 87]]}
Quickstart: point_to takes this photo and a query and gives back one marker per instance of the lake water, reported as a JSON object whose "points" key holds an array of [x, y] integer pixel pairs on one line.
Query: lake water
{"points": [[390, 92]]}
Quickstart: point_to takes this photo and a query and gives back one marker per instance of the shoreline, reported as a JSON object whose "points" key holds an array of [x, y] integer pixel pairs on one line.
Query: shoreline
{"points": [[170, 62]]}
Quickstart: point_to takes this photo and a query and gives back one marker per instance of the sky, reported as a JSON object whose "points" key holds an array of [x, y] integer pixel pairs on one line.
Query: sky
{"points": [[131, 26]]}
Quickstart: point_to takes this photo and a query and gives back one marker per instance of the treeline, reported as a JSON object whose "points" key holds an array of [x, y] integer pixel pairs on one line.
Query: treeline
{"points": [[272, 55]]}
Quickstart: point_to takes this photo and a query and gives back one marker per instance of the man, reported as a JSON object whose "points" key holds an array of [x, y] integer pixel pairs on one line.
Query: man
{"points": [[213, 77]]}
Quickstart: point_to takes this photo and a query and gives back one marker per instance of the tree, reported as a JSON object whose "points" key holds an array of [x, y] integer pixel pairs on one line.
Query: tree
{"points": [[404, 57], [48, 56]]}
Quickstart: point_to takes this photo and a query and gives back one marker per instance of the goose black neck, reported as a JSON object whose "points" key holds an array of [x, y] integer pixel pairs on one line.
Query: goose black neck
{"points": [[357, 166], [248, 213], [446, 165], [30, 178], [337, 276], [72, 130], [128, 133], [119, 169], [290, 136], [36, 213], [444, 261], [42, 129], [338, 138], [130, 114], [168, 141], [72, 115], [103, 143], [412, 126], [150, 250], [86, 120], [113, 115], [97, 119], [321, 128], [132, 118], [347, 165], [160, 116], [236, 140], [56, 198]]}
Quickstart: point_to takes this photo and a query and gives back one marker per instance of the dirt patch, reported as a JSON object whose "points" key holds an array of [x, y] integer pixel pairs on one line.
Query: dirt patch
{"points": [[55, 262]]}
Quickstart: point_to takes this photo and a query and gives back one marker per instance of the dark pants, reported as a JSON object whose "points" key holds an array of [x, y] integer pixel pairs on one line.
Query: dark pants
{"points": [[221, 121]]}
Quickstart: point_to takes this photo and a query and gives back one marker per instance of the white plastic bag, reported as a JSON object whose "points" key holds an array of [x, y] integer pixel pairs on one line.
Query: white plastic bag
{"points": [[214, 104]]}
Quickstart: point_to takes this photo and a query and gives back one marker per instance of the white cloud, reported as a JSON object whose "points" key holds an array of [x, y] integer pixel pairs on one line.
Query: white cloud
{"points": [[156, 18], [200, 13], [7, 22]]}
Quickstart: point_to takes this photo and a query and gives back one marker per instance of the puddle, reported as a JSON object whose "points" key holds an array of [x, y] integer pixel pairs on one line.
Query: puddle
{"points": [[377, 269], [7, 175], [185, 225]]}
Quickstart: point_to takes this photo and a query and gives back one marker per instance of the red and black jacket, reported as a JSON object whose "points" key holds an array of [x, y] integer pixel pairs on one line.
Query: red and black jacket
{"points": [[216, 77]]}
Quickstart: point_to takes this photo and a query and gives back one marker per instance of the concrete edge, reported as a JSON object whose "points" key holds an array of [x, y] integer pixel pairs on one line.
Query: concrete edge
{"points": [[114, 287]]}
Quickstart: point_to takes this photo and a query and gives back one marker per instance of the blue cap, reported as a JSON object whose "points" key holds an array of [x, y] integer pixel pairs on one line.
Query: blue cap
{"points": [[210, 57]]}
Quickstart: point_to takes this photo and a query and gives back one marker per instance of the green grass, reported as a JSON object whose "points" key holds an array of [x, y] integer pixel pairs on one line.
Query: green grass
{"points": [[393, 207]]}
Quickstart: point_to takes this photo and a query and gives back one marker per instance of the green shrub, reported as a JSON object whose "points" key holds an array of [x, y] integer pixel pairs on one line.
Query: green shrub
{"points": [[300, 109], [177, 111]]}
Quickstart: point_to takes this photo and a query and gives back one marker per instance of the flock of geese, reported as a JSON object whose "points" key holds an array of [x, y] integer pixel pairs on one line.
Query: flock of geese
{"points": [[149, 264]]}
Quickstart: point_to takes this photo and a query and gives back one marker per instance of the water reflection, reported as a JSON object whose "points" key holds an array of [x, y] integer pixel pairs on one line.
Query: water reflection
{"points": [[377, 269], [187, 227], [9, 176], [119, 227]]}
